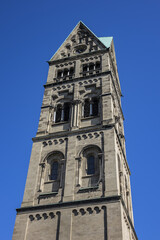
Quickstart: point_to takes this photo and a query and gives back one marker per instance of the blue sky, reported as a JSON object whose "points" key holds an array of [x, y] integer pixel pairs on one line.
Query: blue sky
{"points": [[31, 31]]}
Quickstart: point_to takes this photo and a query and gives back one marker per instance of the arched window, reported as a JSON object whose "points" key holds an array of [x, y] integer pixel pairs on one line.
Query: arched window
{"points": [[90, 165], [58, 113], [89, 171], [54, 171]]}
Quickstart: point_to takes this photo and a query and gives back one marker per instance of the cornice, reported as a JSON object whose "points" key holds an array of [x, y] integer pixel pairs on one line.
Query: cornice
{"points": [[72, 132], [51, 84], [67, 204]]}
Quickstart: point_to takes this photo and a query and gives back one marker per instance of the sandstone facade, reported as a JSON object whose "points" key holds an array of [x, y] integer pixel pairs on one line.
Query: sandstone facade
{"points": [[78, 183]]}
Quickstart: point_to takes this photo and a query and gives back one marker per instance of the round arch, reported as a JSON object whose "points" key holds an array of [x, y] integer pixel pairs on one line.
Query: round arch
{"points": [[53, 154]]}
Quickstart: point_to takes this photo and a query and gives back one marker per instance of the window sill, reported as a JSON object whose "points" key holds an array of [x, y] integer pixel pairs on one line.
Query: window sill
{"points": [[90, 117], [59, 123], [69, 77], [88, 189], [91, 175], [50, 194], [51, 181], [91, 71]]}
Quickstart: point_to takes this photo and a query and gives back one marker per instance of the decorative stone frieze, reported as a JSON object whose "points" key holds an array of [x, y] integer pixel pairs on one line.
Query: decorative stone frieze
{"points": [[55, 142], [43, 216], [88, 211], [89, 136]]}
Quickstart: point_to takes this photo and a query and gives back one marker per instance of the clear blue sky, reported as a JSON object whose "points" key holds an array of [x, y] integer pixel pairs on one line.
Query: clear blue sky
{"points": [[31, 31]]}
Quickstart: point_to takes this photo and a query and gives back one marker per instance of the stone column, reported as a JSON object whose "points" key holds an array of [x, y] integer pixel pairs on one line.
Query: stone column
{"points": [[75, 113], [54, 115], [62, 114], [42, 166], [78, 159]]}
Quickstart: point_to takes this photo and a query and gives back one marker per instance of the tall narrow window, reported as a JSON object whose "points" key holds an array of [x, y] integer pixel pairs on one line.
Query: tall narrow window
{"points": [[84, 68], [91, 107], [66, 111], [65, 73], [71, 71], [59, 75], [58, 113], [87, 108], [91, 67], [98, 65], [54, 171], [95, 107], [90, 165], [62, 113]]}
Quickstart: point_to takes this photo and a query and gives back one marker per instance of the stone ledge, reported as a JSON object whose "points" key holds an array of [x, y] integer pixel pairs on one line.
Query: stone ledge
{"points": [[88, 189], [44, 195], [70, 203]]}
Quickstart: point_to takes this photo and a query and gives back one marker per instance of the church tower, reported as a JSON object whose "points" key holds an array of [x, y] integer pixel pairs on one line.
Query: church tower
{"points": [[78, 183]]}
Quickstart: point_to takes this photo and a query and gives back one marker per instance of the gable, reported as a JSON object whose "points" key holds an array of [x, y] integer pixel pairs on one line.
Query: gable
{"points": [[81, 40]]}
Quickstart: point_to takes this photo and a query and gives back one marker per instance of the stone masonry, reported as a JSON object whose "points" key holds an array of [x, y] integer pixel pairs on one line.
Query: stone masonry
{"points": [[78, 183]]}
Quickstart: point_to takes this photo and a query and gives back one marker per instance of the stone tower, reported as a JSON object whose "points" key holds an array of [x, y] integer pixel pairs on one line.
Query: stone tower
{"points": [[78, 183]]}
